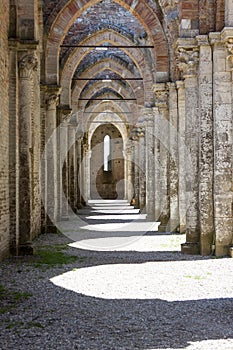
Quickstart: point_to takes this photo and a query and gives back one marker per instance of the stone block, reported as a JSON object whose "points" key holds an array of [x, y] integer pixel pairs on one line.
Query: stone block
{"points": [[231, 252], [190, 248]]}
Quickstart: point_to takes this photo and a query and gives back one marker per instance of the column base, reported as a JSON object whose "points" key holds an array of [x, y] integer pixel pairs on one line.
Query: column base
{"points": [[26, 249], [231, 252], [162, 228], [222, 250], [182, 229], [134, 203], [206, 249], [51, 229], [163, 223], [190, 248]]}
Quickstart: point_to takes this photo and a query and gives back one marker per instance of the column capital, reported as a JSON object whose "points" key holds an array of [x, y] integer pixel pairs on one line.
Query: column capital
{"points": [[203, 40], [226, 34], [180, 84], [215, 38], [227, 38], [171, 85], [52, 101], [27, 64], [141, 131], [187, 56], [134, 134], [65, 112], [52, 93], [161, 95]]}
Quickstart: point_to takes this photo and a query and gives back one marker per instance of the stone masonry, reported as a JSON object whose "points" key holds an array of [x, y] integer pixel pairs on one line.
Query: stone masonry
{"points": [[156, 77]]}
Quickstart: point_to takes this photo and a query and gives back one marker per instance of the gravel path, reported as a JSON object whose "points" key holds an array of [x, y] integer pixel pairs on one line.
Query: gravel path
{"points": [[135, 297]]}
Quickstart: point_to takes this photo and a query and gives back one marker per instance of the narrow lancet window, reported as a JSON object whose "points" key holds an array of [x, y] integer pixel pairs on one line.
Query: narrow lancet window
{"points": [[107, 153]]}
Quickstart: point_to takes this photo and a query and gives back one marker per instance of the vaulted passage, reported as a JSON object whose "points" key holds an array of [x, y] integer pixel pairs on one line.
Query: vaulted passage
{"points": [[117, 100]]}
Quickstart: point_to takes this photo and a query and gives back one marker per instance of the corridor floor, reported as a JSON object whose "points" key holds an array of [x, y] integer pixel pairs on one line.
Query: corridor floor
{"points": [[128, 287]]}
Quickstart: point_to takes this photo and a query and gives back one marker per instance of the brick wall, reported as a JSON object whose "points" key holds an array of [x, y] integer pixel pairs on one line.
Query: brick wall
{"points": [[4, 130], [220, 14]]}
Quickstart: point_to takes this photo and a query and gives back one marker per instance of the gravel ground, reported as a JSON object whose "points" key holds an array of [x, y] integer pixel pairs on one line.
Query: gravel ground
{"points": [[118, 300]]}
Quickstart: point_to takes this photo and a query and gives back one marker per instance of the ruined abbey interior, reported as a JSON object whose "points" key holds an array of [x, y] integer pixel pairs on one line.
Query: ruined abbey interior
{"points": [[117, 99]]}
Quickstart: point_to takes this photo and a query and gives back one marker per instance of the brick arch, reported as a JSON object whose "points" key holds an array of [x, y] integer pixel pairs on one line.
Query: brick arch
{"points": [[105, 95], [127, 112], [73, 10], [97, 68], [102, 37], [115, 86], [111, 107], [114, 119]]}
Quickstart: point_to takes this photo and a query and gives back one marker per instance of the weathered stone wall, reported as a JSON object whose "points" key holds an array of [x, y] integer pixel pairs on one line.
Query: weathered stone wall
{"points": [[4, 130]]}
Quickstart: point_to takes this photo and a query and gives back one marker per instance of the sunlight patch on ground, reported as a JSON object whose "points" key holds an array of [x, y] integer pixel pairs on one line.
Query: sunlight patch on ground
{"points": [[116, 217], [176, 280], [136, 243], [115, 211], [129, 226], [219, 344]]}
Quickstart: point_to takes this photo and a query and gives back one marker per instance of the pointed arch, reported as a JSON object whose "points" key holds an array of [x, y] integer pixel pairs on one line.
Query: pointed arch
{"points": [[74, 9]]}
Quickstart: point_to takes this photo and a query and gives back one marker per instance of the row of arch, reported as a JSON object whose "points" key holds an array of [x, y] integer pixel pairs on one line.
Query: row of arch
{"points": [[69, 81]]}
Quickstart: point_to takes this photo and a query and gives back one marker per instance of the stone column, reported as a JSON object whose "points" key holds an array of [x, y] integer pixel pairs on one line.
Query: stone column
{"points": [[64, 115], [157, 181], [72, 163], [76, 197], [128, 175], [181, 155], [206, 159], [188, 57], [130, 170], [150, 164], [223, 163], [161, 101], [79, 179], [136, 168], [126, 184], [27, 64], [51, 187], [142, 168], [86, 172], [173, 159]]}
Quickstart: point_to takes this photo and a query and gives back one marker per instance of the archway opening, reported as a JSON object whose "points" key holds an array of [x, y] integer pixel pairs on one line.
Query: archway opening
{"points": [[107, 163]]}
